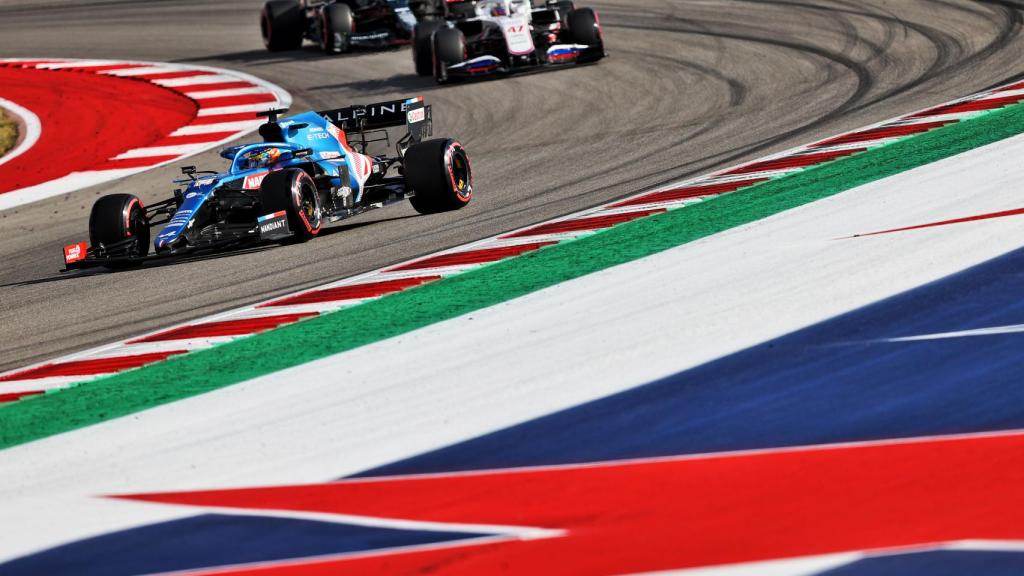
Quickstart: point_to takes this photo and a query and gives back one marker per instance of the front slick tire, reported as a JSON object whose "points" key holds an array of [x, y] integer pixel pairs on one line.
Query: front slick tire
{"points": [[118, 217], [422, 46], [336, 26], [294, 192], [439, 173], [585, 28]]}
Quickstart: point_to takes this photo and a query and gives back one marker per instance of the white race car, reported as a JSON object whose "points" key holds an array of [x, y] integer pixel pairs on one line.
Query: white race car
{"points": [[478, 37]]}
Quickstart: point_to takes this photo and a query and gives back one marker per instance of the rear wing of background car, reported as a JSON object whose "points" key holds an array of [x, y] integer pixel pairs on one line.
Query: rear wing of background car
{"points": [[413, 113]]}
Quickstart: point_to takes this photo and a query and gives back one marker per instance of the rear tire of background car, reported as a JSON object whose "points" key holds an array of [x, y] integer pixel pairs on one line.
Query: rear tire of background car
{"points": [[439, 173], [336, 27], [449, 47], [282, 24], [422, 50], [584, 27], [293, 192], [424, 9], [118, 217]]}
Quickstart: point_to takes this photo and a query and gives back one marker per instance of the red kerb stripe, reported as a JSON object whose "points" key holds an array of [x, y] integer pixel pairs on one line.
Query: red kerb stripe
{"points": [[472, 257], [225, 328], [589, 223], [688, 192], [1017, 86], [882, 132], [27, 63], [797, 161], [11, 397], [89, 367], [971, 106], [352, 292]]}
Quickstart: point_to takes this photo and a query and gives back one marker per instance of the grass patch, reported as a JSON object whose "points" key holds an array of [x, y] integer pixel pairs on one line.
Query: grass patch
{"points": [[8, 133]]}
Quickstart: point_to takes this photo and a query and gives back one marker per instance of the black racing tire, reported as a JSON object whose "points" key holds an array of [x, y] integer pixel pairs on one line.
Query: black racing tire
{"points": [[282, 23], [424, 9], [439, 173], [585, 27], [564, 9], [422, 48], [336, 27], [294, 192], [449, 47], [118, 217]]}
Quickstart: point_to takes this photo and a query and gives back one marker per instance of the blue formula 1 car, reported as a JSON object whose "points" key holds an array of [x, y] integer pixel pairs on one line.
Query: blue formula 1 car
{"points": [[305, 172]]}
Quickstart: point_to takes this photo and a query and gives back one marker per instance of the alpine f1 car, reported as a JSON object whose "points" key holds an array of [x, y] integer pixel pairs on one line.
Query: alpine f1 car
{"points": [[338, 25], [477, 37], [305, 172]]}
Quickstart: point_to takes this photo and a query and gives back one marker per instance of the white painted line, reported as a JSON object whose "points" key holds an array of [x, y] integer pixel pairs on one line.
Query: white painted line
{"points": [[29, 129], [993, 331], [805, 566]]}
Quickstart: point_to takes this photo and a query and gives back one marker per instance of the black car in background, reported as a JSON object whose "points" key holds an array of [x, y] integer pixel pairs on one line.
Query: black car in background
{"points": [[339, 25]]}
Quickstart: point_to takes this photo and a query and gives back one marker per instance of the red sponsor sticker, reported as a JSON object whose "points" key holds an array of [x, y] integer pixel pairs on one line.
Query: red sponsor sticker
{"points": [[75, 252], [253, 181]]}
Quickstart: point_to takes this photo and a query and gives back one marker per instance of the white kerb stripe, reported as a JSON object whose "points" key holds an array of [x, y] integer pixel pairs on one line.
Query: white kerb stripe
{"points": [[163, 151], [261, 107], [242, 125], [190, 80], [227, 92]]}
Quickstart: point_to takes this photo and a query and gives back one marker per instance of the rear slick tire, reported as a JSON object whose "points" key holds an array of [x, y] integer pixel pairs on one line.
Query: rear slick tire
{"points": [[439, 173], [281, 24]]}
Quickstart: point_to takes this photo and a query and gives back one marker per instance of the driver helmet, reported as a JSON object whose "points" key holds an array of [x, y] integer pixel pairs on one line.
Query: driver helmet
{"points": [[499, 9], [261, 158]]}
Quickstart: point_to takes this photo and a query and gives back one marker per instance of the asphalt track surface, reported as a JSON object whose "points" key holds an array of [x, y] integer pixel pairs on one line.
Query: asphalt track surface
{"points": [[691, 86]]}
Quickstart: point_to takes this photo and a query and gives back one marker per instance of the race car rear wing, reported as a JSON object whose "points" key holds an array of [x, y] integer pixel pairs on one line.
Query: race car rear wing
{"points": [[413, 113]]}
